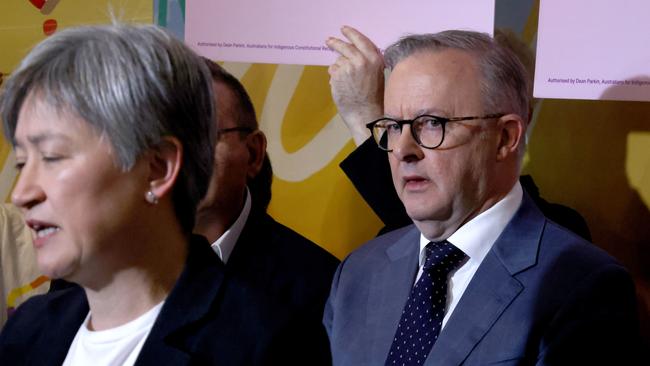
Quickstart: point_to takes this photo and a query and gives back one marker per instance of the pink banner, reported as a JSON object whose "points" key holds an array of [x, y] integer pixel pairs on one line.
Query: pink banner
{"points": [[593, 49], [294, 31]]}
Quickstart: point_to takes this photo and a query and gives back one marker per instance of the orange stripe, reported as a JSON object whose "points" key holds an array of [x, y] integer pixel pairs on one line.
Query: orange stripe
{"points": [[16, 293], [39, 281]]}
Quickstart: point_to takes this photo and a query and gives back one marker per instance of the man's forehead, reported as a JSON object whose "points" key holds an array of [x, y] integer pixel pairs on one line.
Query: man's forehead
{"points": [[450, 61], [226, 105], [224, 94], [433, 82]]}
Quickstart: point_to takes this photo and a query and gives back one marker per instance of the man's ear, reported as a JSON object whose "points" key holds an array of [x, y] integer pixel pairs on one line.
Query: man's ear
{"points": [[164, 165], [256, 145], [511, 128]]}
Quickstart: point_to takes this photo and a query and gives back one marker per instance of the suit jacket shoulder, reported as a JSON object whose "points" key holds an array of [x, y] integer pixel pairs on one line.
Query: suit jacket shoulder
{"points": [[291, 271], [47, 323], [289, 267], [544, 289], [378, 246], [367, 297], [211, 319]]}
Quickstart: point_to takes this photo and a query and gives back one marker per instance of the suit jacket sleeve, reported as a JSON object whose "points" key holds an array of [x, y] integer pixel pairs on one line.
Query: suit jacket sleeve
{"points": [[368, 169]]}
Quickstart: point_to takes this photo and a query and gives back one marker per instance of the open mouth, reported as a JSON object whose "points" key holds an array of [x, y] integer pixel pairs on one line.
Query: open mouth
{"points": [[46, 231], [42, 229]]}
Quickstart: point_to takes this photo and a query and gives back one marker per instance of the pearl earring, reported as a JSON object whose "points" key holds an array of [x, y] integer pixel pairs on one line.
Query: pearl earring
{"points": [[151, 197]]}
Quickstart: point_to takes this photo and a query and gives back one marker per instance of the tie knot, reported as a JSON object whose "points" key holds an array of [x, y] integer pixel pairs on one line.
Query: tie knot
{"points": [[442, 256]]}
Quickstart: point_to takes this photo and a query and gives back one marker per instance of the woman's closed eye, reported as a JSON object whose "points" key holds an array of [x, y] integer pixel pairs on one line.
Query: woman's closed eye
{"points": [[48, 159], [51, 158]]}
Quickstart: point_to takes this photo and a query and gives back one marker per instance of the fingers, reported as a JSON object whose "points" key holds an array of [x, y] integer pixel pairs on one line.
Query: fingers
{"points": [[334, 68], [356, 81], [360, 41], [359, 49], [344, 49]]}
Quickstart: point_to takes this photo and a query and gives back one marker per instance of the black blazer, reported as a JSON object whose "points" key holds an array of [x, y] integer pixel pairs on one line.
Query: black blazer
{"points": [[207, 319], [290, 270]]}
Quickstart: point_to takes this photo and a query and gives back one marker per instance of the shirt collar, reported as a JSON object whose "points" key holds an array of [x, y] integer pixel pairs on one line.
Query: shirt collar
{"points": [[476, 237], [224, 245]]}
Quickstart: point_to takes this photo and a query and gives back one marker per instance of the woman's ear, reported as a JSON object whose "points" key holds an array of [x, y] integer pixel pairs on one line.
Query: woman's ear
{"points": [[164, 165], [511, 136], [256, 145]]}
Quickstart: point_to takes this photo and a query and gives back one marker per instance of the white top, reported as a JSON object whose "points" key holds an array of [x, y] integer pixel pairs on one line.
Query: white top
{"points": [[224, 245], [116, 346], [475, 238]]}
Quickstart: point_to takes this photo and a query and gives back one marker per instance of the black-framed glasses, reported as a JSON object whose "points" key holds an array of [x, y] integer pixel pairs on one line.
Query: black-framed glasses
{"points": [[235, 129], [427, 130]]}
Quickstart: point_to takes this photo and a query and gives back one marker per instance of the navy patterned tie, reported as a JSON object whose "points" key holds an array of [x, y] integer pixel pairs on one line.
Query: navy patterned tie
{"points": [[421, 319]]}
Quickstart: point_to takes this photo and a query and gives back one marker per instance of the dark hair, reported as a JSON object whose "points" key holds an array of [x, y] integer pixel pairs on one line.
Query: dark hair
{"points": [[133, 84], [260, 185]]}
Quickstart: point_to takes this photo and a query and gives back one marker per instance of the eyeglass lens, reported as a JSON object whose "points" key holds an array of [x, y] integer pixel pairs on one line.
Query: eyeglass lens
{"points": [[426, 130]]}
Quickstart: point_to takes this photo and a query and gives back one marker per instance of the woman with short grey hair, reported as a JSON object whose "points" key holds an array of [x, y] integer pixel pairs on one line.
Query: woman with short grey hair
{"points": [[112, 132]]}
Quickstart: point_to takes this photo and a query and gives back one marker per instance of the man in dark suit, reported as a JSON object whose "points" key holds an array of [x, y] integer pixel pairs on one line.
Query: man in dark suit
{"points": [[482, 276], [290, 269]]}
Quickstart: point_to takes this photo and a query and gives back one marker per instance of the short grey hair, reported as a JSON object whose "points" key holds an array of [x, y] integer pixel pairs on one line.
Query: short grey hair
{"points": [[505, 84], [134, 84]]}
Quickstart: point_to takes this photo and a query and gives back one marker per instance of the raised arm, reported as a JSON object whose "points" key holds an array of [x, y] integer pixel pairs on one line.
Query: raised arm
{"points": [[357, 81]]}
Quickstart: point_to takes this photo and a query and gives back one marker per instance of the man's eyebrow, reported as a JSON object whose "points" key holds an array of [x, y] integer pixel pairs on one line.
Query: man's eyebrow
{"points": [[425, 111], [433, 111]]}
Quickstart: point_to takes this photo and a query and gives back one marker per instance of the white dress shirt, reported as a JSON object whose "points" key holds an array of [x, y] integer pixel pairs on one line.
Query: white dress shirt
{"points": [[475, 238], [224, 245]]}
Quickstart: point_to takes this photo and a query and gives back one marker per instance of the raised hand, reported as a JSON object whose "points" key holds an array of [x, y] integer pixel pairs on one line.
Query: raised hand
{"points": [[357, 81]]}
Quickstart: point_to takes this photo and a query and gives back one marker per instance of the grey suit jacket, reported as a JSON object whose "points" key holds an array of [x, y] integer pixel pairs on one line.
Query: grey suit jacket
{"points": [[541, 296]]}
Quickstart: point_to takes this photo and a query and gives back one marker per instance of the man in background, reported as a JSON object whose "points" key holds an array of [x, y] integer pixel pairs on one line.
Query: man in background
{"points": [[256, 249]]}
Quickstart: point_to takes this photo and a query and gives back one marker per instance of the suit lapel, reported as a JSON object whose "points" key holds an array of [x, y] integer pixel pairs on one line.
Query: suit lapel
{"points": [[493, 287], [64, 318], [189, 301], [389, 289], [253, 239], [489, 293]]}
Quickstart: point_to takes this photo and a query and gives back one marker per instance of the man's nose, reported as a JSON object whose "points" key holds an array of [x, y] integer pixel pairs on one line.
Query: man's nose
{"points": [[406, 148]]}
